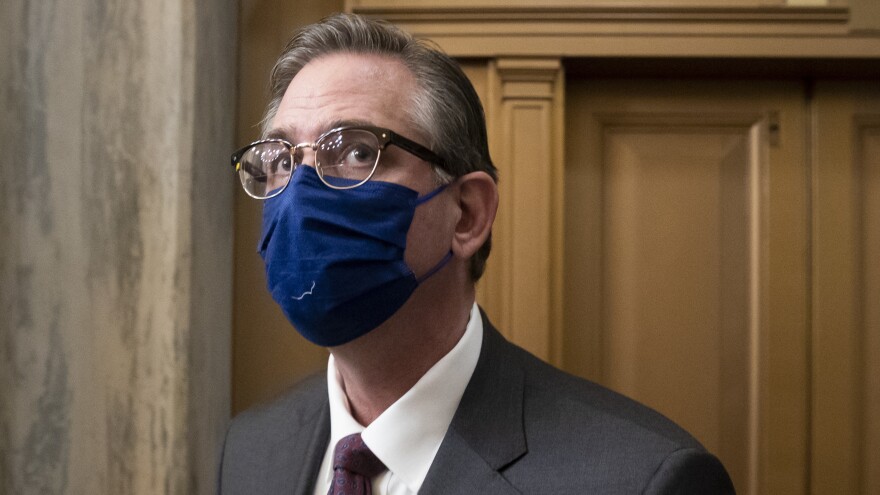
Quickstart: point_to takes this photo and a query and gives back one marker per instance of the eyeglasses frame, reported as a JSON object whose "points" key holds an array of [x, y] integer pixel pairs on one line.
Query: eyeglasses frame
{"points": [[383, 136]]}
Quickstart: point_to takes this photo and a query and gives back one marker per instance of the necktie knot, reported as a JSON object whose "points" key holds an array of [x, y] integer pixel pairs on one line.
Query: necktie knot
{"points": [[354, 464]]}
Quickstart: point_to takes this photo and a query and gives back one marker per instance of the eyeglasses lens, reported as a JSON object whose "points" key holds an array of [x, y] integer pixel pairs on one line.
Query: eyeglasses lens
{"points": [[347, 158], [265, 169]]}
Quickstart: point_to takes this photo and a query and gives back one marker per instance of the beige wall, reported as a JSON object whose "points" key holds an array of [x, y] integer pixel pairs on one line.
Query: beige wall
{"points": [[268, 354]]}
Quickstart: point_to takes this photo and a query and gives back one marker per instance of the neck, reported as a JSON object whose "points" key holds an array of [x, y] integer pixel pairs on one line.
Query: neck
{"points": [[379, 367]]}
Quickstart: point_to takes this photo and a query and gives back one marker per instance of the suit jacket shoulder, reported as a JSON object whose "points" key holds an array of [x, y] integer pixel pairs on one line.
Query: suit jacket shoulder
{"points": [[278, 447], [522, 427], [526, 427]]}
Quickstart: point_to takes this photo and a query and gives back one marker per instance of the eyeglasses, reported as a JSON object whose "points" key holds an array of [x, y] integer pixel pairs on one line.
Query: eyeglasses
{"points": [[345, 158]]}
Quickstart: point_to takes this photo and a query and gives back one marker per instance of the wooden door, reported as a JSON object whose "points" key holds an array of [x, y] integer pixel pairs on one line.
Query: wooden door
{"points": [[686, 261]]}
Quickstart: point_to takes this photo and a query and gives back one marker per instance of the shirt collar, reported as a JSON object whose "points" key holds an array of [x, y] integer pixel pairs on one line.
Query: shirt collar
{"points": [[407, 435]]}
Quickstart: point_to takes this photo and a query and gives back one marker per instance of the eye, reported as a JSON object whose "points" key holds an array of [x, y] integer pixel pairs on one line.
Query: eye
{"points": [[280, 163], [264, 167], [348, 154], [358, 155]]}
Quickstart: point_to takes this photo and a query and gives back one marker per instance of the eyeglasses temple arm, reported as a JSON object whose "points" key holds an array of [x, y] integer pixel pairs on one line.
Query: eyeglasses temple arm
{"points": [[416, 149], [257, 174]]}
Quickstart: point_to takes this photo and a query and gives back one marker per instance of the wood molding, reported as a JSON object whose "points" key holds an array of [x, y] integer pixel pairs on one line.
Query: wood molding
{"points": [[523, 291], [598, 29], [512, 11]]}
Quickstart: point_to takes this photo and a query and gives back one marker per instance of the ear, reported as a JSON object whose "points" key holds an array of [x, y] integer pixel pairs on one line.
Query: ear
{"points": [[478, 202]]}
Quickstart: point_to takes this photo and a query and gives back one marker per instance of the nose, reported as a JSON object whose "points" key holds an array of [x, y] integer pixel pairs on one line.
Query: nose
{"points": [[305, 154]]}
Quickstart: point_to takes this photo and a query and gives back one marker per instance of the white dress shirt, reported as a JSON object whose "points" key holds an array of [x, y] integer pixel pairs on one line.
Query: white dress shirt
{"points": [[407, 436]]}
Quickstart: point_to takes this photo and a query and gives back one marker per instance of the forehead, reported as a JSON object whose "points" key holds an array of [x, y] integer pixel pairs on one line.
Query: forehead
{"points": [[345, 87]]}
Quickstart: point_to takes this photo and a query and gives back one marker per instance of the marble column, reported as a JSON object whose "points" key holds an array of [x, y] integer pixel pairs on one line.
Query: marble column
{"points": [[115, 244]]}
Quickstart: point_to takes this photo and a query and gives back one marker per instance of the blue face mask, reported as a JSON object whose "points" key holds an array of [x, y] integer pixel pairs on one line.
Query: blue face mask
{"points": [[334, 258]]}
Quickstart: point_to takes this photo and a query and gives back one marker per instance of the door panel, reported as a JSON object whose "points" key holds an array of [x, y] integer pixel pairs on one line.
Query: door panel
{"points": [[846, 288], [869, 302], [664, 291]]}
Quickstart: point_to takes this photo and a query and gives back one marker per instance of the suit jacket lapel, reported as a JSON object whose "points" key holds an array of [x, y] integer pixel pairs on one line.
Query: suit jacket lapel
{"points": [[310, 453], [486, 433]]}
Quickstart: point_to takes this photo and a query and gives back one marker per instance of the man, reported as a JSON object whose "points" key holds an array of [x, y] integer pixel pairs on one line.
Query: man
{"points": [[379, 201]]}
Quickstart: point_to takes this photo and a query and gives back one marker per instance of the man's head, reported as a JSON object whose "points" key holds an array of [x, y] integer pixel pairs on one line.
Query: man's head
{"points": [[441, 106]]}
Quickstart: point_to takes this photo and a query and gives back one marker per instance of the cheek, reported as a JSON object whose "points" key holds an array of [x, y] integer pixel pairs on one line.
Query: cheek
{"points": [[429, 237]]}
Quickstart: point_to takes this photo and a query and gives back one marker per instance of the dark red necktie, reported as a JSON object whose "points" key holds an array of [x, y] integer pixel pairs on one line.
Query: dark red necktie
{"points": [[354, 466]]}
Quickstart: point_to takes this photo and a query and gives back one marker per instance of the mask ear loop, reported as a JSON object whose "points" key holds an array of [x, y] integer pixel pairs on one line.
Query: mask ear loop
{"points": [[445, 260], [430, 195], [436, 268]]}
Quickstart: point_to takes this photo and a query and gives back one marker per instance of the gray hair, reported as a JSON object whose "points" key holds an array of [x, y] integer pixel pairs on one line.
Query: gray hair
{"points": [[445, 107]]}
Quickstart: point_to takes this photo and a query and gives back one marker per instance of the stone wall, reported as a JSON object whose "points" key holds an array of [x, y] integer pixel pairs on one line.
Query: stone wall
{"points": [[115, 244]]}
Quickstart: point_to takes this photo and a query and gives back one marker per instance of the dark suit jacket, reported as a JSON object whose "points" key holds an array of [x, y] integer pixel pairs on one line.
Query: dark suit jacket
{"points": [[522, 427]]}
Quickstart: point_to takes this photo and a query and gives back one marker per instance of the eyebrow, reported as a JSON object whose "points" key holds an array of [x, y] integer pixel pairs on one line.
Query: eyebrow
{"points": [[286, 133], [278, 133]]}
